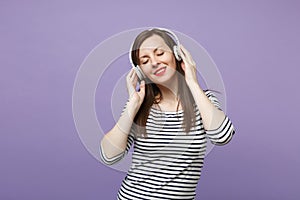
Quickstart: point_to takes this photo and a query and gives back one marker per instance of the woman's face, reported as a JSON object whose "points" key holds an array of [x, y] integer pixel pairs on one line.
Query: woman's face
{"points": [[157, 60]]}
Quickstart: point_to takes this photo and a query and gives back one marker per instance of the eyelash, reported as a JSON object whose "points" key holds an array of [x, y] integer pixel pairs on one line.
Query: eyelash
{"points": [[159, 54]]}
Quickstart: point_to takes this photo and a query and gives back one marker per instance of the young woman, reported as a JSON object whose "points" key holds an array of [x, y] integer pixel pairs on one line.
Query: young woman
{"points": [[169, 120]]}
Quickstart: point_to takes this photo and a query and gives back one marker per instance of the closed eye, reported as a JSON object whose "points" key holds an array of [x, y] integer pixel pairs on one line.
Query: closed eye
{"points": [[145, 62], [160, 54]]}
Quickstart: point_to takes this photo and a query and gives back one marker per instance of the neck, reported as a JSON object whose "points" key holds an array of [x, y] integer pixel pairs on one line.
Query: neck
{"points": [[169, 90]]}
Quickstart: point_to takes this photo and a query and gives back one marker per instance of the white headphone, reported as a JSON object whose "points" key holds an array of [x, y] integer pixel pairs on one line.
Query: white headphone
{"points": [[176, 48]]}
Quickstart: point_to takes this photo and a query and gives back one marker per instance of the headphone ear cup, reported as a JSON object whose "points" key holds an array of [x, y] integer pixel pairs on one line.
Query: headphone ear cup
{"points": [[176, 53]]}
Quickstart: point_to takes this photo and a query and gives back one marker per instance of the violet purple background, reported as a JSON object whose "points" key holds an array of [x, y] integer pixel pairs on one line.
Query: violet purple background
{"points": [[255, 45]]}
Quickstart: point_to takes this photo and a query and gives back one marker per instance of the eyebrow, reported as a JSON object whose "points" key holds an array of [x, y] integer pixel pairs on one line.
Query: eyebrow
{"points": [[159, 47]]}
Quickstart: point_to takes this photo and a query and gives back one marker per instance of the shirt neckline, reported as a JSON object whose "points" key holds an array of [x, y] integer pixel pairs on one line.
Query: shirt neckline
{"points": [[167, 112]]}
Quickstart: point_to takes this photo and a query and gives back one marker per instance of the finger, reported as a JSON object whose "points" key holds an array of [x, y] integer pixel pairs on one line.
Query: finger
{"points": [[133, 80], [187, 54], [131, 72], [133, 75], [182, 54], [142, 85], [142, 88], [130, 79]]}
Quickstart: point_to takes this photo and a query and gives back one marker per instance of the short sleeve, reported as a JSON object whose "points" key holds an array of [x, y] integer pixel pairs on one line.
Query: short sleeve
{"points": [[223, 134], [212, 97], [117, 158]]}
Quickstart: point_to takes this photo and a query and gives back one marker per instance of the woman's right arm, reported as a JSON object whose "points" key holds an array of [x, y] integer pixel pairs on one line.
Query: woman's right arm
{"points": [[114, 142]]}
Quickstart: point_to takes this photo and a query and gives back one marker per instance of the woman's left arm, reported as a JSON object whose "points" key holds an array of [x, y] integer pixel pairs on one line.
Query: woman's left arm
{"points": [[218, 126]]}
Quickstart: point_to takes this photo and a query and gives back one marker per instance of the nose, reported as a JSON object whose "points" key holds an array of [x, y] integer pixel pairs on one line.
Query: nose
{"points": [[154, 62]]}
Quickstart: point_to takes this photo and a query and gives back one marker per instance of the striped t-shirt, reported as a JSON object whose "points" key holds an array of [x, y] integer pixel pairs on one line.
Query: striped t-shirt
{"points": [[167, 163]]}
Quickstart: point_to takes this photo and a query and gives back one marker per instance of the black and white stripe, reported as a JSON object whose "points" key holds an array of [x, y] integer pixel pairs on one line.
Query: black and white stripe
{"points": [[167, 164]]}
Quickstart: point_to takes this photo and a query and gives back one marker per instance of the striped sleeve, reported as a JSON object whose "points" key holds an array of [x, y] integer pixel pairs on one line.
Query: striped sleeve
{"points": [[119, 157], [223, 134], [212, 97]]}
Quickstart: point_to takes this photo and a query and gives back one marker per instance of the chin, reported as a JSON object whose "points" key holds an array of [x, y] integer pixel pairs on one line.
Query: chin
{"points": [[163, 80]]}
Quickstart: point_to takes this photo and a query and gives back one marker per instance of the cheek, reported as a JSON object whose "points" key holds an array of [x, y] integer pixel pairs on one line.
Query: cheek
{"points": [[172, 62], [146, 70], [169, 58]]}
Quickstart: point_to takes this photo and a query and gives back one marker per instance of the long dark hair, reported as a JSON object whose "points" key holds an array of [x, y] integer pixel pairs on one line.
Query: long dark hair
{"points": [[153, 94]]}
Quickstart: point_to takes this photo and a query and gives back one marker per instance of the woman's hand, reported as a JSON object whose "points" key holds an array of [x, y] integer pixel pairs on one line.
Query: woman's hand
{"points": [[188, 65], [136, 96]]}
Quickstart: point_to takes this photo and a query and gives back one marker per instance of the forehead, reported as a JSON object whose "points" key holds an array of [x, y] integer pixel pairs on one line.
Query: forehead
{"points": [[153, 42]]}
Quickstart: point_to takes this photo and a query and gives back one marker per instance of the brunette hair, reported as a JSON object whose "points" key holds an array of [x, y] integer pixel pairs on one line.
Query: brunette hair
{"points": [[153, 94]]}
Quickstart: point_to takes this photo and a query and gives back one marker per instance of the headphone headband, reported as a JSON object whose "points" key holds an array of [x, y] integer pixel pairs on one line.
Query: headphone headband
{"points": [[169, 32]]}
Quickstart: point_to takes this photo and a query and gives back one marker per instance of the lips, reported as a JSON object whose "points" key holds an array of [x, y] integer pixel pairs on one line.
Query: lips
{"points": [[160, 71]]}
